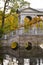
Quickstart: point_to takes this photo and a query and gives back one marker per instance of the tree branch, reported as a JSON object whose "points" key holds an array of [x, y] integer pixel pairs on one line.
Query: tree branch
{"points": [[3, 17]]}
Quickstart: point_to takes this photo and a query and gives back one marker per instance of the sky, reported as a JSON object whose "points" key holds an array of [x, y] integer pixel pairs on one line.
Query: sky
{"points": [[36, 3], [33, 3]]}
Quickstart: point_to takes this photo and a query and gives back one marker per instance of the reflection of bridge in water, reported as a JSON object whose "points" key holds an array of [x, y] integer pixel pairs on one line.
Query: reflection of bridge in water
{"points": [[20, 36], [36, 50], [21, 52]]}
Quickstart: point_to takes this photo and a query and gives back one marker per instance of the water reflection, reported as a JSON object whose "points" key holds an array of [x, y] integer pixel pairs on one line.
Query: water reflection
{"points": [[13, 61], [26, 61], [41, 61], [33, 61], [9, 60]]}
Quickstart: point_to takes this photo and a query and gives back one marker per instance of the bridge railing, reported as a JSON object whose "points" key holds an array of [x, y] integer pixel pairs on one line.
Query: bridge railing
{"points": [[30, 31], [23, 32]]}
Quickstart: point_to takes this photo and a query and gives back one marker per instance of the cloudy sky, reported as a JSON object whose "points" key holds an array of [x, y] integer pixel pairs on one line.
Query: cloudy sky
{"points": [[34, 3]]}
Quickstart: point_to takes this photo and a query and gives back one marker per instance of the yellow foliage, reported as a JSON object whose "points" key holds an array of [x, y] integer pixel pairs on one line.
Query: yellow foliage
{"points": [[0, 17], [37, 21], [41, 24], [11, 22], [26, 22], [37, 25], [0, 20], [13, 45], [0, 23], [26, 45]]}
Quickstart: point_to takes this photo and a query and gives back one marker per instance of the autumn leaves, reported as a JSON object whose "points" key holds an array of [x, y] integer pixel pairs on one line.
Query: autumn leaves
{"points": [[10, 23], [37, 21]]}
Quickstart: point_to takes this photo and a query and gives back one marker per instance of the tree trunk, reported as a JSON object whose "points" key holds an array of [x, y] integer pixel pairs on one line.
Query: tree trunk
{"points": [[3, 17]]}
